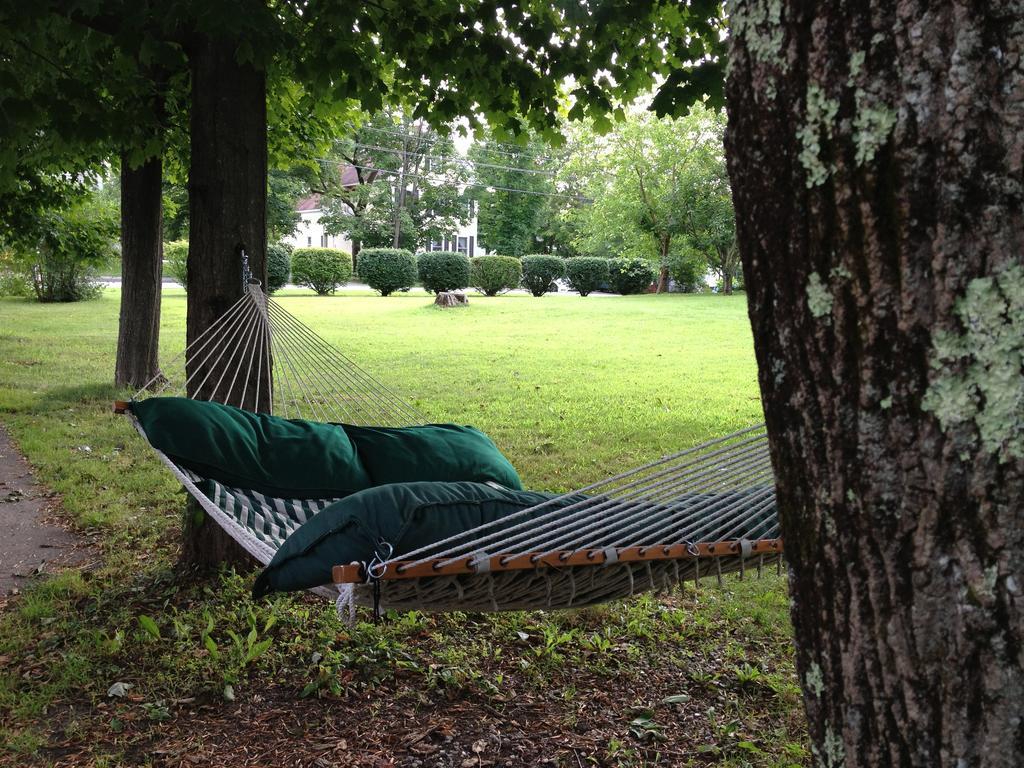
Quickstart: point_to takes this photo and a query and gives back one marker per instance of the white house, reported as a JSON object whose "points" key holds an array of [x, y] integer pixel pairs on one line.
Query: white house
{"points": [[310, 232]]}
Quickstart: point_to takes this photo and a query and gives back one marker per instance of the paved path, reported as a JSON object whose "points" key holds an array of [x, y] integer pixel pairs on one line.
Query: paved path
{"points": [[28, 545]]}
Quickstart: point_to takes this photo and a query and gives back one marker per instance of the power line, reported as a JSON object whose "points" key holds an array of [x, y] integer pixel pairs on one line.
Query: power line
{"points": [[426, 138], [478, 185], [454, 158]]}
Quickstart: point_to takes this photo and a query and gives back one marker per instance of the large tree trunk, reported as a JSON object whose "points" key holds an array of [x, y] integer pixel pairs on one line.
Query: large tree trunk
{"points": [[138, 335], [227, 212], [875, 151]]}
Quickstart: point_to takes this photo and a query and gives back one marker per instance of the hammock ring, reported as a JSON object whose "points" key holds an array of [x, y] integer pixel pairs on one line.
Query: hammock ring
{"points": [[692, 549], [379, 564]]}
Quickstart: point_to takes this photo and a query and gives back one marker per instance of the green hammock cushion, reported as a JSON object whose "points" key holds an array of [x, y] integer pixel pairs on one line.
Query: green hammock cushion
{"points": [[406, 515], [257, 451], [434, 452]]}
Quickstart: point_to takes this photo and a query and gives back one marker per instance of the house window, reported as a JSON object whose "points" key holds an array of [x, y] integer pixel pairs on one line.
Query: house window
{"points": [[463, 245], [323, 241], [437, 245], [471, 246], [309, 241]]}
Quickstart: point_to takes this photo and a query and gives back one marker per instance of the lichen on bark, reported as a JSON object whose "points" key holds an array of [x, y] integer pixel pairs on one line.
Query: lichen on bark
{"points": [[819, 299], [819, 117], [759, 23], [978, 372], [872, 125]]}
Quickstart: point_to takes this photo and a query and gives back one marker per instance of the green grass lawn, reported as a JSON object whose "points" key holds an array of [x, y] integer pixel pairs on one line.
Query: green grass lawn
{"points": [[572, 389]]}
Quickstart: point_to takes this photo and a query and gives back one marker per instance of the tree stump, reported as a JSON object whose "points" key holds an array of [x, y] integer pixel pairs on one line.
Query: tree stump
{"points": [[451, 299]]}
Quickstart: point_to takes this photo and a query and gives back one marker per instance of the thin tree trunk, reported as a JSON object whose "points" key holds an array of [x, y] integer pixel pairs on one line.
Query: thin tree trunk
{"points": [[138, 335], [227, 210], [875, 152], [727, 283], [663, 275]]}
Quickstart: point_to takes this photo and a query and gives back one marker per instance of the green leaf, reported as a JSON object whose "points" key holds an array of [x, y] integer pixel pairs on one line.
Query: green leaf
{"points": [[257, 650], [679, 698], [211, 646], [149, 627]]}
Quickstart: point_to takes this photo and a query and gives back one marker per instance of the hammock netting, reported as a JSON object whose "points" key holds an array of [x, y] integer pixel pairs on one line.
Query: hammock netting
{"points": [[705, 511]]}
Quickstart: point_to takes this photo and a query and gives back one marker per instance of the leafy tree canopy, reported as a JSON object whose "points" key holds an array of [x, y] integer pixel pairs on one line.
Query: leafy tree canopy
{"points": [[80, 68], [515, 183], [659, 187]]}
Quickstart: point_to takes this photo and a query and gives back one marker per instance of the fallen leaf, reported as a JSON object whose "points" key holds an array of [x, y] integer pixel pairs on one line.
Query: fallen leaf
{"points": [[119, 689]]}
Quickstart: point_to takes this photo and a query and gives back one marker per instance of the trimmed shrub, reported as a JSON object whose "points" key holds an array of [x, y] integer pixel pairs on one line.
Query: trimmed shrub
{"points": [[175, 261], [586, 273], [492, 275], [443, 270], [279, 266], [630, 274], [540, 270], [322, 269], [387, 269]]}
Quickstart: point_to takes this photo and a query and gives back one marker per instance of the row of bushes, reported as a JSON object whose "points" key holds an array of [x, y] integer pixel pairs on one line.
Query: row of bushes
{"points": [[395, 269], [388, 269]]}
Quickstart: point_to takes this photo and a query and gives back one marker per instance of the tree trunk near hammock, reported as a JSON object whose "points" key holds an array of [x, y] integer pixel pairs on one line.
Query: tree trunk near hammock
{"points": [[138, 336], [876, 155], [227, 212]]}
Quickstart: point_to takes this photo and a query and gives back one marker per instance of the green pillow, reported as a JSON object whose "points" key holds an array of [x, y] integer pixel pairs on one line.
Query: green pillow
{"points": [[288, 458], [405, 515], [435, 452]]}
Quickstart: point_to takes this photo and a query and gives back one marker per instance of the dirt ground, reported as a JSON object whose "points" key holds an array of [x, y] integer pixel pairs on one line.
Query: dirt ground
{"points": [[31, 544]]}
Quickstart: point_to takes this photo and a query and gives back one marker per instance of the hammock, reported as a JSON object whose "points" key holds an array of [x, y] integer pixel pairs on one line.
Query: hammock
{"points": [[705, 511]]}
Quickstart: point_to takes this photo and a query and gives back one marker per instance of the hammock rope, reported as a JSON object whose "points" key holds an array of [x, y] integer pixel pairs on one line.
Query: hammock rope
{"points": [[310, 378], [641, 529]]}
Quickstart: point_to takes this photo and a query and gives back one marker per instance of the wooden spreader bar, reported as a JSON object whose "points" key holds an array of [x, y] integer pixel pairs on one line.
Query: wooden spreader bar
{"points": [[354, 573], [120, 406]]}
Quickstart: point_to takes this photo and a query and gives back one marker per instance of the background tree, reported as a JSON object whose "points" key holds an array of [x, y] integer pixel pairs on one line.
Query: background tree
{"points": [[655, 183], [710, 222], [875, 156], [515, 183], [398, 183], [74, 96]]}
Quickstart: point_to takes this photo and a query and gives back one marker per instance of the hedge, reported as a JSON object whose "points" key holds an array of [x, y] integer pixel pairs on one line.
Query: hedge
{"points": [[540, 270], [322, 269], [175, 260], [586, 273], [387, 269], [279, 265], [630, 275], [492, 275], [443, 271]]}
